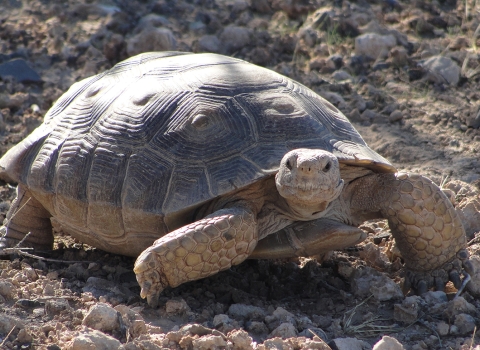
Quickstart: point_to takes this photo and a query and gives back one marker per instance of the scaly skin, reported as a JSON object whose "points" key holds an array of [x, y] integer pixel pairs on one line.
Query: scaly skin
{"points": [[201, 249], [428, 231]]}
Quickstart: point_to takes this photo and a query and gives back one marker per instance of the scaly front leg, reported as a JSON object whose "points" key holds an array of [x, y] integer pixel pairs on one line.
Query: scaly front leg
{"points": [[201, 249], [428, 231]]}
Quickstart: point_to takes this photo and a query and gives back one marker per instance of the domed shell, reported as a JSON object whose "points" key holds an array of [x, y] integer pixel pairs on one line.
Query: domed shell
{"points": [[163, 132]]}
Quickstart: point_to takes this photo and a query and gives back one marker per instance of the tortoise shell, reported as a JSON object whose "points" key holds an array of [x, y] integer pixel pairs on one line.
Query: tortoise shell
{"points": [[162, 133]]}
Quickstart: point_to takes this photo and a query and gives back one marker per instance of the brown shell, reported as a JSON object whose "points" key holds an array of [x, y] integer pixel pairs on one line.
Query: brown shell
{"points": [[164, 132]]}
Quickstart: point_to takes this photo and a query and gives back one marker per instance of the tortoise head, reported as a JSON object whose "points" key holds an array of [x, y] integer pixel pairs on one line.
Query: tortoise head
{"points": [[309, 179]]}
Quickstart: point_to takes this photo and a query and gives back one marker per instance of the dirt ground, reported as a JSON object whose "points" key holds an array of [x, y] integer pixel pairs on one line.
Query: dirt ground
{"points": [[421, 119]]}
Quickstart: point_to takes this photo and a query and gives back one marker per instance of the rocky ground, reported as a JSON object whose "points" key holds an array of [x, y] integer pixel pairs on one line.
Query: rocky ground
{"points": [[406, 73]]}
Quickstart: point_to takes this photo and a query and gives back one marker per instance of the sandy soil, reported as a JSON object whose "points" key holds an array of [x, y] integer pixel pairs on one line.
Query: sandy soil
{"points": [[419, 121]]}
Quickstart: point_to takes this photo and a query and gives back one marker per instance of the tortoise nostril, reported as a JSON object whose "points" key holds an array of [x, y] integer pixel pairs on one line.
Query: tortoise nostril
{"points": [[289, 165], [327, 167]]}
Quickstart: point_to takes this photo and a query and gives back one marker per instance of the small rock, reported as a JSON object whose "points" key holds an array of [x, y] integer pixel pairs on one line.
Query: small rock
{"points": [[8, 322], [256, 327], [442, 328], [176, 307], [388, 343], [20, 71], [234, 38], [7, 290], [24, 337], [248, 312], [285, 330], [395, 116], [132, 320], [407, 311], [459, 305], [374, 45], [209, 43], [220, 319], [93, 339], [398, 56], [311, 332], [240, 339], [367, 281], [208, 342], [151, 39], [341, 75], [102, 317], [435, 297], [465, 323], [56, 306], [349, 344], [442, 70], [473, 286]]}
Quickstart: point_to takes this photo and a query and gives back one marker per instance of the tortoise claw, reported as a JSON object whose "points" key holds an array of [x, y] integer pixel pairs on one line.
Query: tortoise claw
{"points": [[421, 287]]}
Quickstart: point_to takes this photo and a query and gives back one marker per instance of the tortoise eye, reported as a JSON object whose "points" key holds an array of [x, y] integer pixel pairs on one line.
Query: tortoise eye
{"points": [[327, 167]]}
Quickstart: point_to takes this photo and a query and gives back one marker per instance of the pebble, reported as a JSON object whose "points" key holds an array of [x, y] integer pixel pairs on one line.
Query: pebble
{"points": [[240, 339], [459, 305], [248, 312], [234, 38], [435, 297], [132, 320], [93, 339], [284, 330], [151, 39], [395, 116], [176, 307], [20, 71], [465, 323], [341, 75], [349, 344], [55, 307], [7, 290], [102, 317], [366, 281], [209, 342], [374, 45], [209, 43], [388, 343], [442, 328], [8, 322], [407, 311], [442, 70]]}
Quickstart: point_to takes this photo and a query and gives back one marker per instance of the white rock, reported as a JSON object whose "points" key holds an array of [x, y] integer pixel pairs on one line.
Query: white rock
{"points": [[151, 39], [102, 317], [242, 311], [285, 330], [374, 45], [92, 339], [208, 342], [351, 344], [442, 70], [240, 339], [388, 343]]}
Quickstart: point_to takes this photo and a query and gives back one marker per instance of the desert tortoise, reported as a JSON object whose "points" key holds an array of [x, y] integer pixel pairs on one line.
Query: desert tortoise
{"points": [[196, 162]]}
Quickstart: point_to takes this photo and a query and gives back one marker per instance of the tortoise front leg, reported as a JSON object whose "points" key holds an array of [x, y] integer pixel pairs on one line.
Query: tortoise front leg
{"points": [[428, 231], [201, 249], [308, 238]]}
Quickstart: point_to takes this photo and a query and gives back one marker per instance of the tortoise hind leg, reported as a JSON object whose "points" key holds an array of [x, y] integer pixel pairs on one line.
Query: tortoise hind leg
{"points": [[27, 221], [308, 238]]}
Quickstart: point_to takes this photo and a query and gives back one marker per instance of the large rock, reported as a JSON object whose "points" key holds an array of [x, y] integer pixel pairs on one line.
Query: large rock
{"points": [[374, 45], [234, 38], [442, 70]]}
